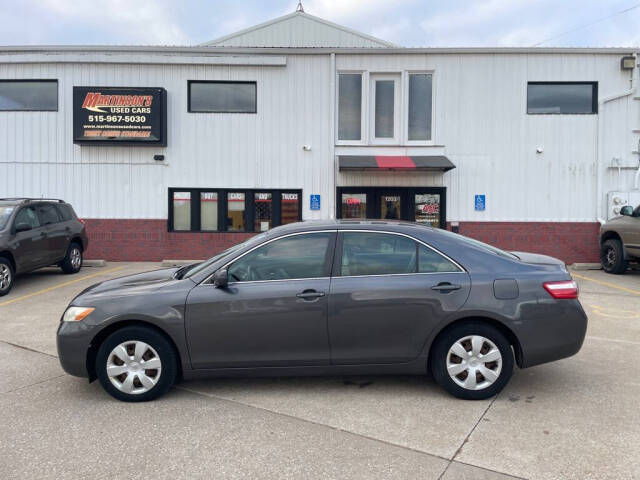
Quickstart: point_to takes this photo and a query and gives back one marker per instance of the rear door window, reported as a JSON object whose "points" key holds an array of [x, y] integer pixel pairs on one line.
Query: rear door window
{"points": [[368, 253], [297, 256], [48, 214], [430, 261]]}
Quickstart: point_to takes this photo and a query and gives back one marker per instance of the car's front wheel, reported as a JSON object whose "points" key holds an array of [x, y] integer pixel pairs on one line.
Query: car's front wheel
{"points": [[6, 276], [472, 360], [136, 364], [612, 257]]}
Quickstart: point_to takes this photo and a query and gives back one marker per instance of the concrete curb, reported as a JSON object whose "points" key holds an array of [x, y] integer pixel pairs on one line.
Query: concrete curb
{"points": [[94, 263], [586, 266]]}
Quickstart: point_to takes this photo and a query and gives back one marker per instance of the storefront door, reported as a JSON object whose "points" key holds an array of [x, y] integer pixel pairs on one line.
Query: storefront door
{"points": [[424, 205]]}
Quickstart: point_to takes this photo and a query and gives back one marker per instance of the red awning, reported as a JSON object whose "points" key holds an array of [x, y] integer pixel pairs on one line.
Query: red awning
{"points": [[370, 162]]}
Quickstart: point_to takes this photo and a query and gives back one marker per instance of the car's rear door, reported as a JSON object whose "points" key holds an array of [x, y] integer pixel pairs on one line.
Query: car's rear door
{"points": [[387, 293], [54, 228], [272, 313]]}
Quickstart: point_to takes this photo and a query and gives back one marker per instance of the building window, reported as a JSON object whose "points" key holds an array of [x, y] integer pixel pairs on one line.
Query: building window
{"points": [[263, 211], [29, 95], [208, 210], [384, 109], [235, 211], [232, 210], [290, 208], [350, 106], [419, 110], [222, 96], [427, 209], [562, 97], [354, 205], [181, 208]]}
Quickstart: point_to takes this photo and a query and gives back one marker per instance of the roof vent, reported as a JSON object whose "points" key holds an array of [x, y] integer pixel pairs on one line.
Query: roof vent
{"points": [[300, 8]]}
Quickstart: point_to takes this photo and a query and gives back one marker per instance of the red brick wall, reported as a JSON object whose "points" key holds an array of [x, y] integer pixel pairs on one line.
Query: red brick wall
{"points": [[148, 240], [569, 241]]}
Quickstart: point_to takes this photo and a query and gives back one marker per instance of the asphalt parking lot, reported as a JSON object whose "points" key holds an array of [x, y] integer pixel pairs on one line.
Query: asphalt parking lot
{"points": [[573, 419]]}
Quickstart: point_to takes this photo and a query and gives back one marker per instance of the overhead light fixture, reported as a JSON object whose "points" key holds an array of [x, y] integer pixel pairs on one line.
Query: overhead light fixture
{"points": [[628, 63]]}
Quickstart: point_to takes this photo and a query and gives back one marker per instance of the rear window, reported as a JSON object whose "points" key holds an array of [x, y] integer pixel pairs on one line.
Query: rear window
{"points": [[5, 213], [477, 243], [66, 213]]}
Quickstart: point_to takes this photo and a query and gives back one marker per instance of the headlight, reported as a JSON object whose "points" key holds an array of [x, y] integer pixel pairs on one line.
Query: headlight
{"points": [[75, 314]]}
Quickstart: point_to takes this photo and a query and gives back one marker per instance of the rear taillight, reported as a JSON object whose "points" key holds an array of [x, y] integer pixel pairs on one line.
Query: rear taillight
{"points": [[567, 289], [81, 221]]}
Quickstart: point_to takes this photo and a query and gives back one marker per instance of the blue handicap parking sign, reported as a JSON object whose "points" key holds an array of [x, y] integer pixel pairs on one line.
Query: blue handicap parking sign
{"points": [[480, 203], [314, 202]]}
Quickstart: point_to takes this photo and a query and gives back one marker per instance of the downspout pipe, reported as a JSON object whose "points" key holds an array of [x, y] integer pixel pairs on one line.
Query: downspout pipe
{"points": [[600, 143]]}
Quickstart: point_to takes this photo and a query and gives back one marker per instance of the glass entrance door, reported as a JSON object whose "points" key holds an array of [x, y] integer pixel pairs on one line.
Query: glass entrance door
{"points": [[391, 206], [425, 205]]}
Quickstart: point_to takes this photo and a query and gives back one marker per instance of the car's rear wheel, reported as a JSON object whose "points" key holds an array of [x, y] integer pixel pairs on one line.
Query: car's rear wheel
{"points": [[6, 276], [72, 262], [472, 360], [136, 364], [612, 257]]}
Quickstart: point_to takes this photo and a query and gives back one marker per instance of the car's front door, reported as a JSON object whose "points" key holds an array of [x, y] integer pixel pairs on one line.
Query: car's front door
{"points": [[272, 313], [387, 293]]}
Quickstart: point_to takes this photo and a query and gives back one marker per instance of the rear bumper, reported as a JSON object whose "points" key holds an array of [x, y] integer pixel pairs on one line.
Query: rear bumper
{"points": [[73, 340], [557, 331]]}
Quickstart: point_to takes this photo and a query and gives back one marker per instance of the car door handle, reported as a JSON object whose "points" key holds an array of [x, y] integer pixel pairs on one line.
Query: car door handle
{"points": [[309, 294], [445, 287]]}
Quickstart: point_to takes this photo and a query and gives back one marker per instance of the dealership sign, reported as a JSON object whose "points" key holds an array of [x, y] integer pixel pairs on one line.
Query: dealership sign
{"points": [[119, 116]]}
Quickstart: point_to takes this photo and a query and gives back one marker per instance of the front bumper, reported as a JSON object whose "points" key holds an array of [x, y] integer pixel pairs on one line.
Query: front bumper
{"points": [[73, 341]]}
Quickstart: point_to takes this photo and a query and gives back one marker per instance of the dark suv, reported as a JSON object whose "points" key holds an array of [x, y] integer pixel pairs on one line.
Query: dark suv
{"points": [[36, 233]]}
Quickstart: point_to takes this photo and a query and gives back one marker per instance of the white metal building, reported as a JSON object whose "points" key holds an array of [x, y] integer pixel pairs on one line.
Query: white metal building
{"points": [[302, 118]]}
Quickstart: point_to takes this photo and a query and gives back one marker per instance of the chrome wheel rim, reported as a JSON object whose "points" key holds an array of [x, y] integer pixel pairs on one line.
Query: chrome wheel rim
{"points": [[5, 277], [474, 362], [76, 258], [134, 367]]}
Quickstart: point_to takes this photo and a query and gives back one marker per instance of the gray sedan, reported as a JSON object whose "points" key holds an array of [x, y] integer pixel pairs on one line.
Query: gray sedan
{"points": [[329, 298]]}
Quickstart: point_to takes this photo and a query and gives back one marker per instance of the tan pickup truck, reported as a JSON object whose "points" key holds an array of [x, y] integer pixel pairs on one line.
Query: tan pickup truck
{"points": [[620, 241]]}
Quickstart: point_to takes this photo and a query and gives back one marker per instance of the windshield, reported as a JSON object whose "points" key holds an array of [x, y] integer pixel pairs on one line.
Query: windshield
{"points": [[5, 213], [201, 266], [480, 244]]}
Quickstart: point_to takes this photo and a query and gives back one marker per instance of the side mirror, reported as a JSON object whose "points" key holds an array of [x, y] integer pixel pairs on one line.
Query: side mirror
{"points": [[627, 210], [23, 227], [221, 278]]}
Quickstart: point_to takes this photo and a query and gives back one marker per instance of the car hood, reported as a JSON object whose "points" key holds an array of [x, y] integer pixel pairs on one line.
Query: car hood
{"points": [[538, 259], [137, 284]]}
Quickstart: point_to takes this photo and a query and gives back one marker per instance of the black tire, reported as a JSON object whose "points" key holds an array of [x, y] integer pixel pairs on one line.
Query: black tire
{"points": [[446, 340], [167, 374], [70, 263], [7, 276], [612, 257]]}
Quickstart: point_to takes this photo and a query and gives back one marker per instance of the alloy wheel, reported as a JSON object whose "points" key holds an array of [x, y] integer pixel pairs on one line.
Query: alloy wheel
{"points": [[76, 258], [474, 362], [5, 277], [609, 257], [134, 367]]}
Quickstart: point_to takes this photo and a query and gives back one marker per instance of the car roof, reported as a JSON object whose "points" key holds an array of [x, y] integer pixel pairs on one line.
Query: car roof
{"points": [[363, 224], [23, 200]]}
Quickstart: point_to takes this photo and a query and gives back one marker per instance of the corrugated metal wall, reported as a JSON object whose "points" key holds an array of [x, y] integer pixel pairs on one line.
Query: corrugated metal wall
{"points": [[480, 123], [38, 157], [480, 120]]}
